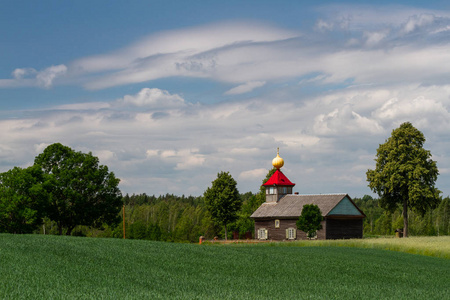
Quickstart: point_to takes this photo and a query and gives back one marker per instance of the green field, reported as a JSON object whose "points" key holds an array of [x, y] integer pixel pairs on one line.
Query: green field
{"points": [[58, 267], [424, 245]]}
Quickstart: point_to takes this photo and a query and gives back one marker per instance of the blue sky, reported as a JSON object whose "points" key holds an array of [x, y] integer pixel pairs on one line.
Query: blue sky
{"points": [[169, 93]]}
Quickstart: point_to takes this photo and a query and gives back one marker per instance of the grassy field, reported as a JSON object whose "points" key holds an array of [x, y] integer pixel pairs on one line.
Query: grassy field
{"points": [[58, 267], [426, 245]]}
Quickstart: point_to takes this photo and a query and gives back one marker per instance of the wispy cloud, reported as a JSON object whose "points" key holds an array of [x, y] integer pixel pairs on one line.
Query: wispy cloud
{"points": [[249, 54], [194, 52], [245, 88]]}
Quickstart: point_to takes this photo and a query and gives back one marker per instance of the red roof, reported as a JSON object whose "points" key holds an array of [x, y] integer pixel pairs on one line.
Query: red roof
{"points": [[278, 178]]}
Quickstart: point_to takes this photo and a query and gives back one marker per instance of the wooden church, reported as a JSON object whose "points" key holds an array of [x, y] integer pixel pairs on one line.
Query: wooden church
{"points": [[276, 218]]}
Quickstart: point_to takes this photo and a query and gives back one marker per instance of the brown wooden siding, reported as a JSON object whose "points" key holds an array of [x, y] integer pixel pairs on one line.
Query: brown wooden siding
{"points": [[344, 228], [279, 234]]}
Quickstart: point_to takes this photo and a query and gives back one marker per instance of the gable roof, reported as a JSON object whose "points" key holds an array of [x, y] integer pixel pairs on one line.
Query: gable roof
{"points": [[278, 178], [290, 206]]}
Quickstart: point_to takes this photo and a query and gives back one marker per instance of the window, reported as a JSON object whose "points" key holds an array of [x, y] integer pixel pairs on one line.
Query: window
{"points": [[277, 223], [271, 190], [284, 190], [291, 233], [262, 234]]}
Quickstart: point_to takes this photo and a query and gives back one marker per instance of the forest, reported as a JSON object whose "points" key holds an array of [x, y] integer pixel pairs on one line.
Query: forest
{"points": [[185, 218]]}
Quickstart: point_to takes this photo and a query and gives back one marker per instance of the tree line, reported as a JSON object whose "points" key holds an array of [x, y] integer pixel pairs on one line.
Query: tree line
{"points": [[69, 192], [379, 221], [174, 218]]}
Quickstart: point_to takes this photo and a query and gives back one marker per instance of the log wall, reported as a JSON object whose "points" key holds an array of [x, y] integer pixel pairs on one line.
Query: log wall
{"points": [[344, 228], [279, 234]]}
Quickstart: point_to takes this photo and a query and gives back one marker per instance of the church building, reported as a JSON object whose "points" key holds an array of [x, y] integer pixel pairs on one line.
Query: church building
{"points": [[276, 218]]}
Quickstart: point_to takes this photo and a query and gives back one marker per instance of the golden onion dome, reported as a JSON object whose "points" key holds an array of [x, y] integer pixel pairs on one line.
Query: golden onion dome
{"points": [[278, 162]]}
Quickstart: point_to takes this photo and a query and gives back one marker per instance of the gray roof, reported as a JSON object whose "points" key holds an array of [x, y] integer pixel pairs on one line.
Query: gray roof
{"points": [[290, 206]]}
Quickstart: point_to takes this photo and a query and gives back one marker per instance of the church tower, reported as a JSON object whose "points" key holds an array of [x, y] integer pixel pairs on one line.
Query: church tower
{"points": [[278, 184]]}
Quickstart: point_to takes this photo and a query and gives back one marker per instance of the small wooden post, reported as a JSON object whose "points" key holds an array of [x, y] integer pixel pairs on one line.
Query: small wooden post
{"points": [[123, 210]]}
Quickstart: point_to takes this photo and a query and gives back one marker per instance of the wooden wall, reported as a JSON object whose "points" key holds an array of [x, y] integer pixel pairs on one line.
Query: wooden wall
{"points": [[279, 234], [332, 228], [344, 228]]}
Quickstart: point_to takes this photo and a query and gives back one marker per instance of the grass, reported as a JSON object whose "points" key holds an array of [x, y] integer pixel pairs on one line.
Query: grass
{"points": [[58, 267], [427, 245]]}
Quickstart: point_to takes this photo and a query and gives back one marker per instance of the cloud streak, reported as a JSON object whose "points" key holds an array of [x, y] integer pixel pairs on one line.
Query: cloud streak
{"points": [[245, 88], [249, 55], [252, 56]]}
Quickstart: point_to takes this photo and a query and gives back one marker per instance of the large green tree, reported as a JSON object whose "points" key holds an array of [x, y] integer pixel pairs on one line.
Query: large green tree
{"points": [[310, 220], [82, 192], [222, 200], [23, 200], [405, 174]]}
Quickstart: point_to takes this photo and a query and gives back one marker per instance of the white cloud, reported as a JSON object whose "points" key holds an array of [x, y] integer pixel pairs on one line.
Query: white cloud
{"points": [[323, 25], [151, 152], [105, 156], [193, 40], [441, 29], [376, 16], [89, 106], [422, 111], [187, 52], [241, 150], [46, 77], [374, 38], [190, 161], [24, 72], [246, 57], [245, 88], [153, 98], [39, 148], [255, 174], [251, 54], [29, 77], [417, 21], [184, 159], [321, 138], [344, 121]]}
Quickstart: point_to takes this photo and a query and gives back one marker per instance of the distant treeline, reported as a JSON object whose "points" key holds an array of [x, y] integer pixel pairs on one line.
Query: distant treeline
{"points": [[185, 218], [163, 218], [381, 222]]}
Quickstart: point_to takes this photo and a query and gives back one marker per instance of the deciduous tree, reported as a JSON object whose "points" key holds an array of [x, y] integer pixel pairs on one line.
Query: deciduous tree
{"points": [[222, 200], [23, 200], [82, 192], [405, 174], [310, 220]]}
